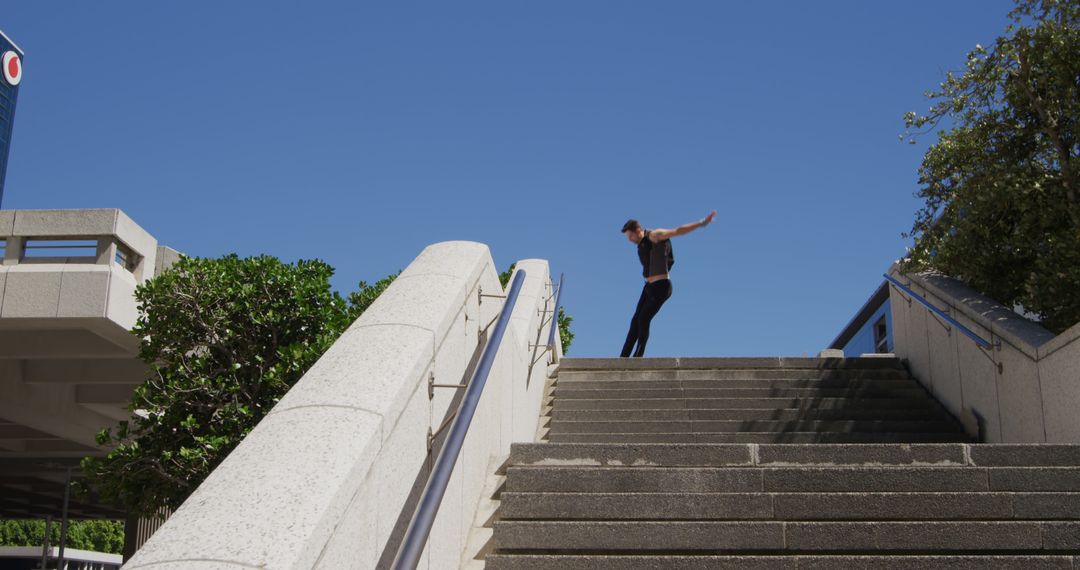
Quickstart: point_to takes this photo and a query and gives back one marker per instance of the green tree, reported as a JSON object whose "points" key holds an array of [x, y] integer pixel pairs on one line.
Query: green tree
{"points": [[505, 276], [1002, 184], [225, 339], [97, 535], [565, 334]]}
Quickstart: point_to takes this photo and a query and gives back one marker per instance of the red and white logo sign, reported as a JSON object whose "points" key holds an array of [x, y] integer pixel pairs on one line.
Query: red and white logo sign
{"points": [[12, 68]]}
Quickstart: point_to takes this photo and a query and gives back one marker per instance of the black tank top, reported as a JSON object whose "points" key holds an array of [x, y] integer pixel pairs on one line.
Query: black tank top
{"points": [[656, 258]]}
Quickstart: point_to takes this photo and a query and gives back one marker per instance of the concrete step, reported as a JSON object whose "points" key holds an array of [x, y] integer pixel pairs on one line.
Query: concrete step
{"points": [[791, 455], [1034, 478], [774, 463], [746, 414], [779, 562], [755, 455], [731, 374], [738, 403], [761, 437], [565, 427], [562, 392], [791, 506], [479, 539], [695, 363], [843, 479], [810, 537], [776, 480], [810, 383], [1025, 455]]}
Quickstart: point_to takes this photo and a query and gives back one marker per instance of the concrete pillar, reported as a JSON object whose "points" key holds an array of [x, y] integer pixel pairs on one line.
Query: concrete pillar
{"points": [[106, 250], [140, 269], [13, 249]]}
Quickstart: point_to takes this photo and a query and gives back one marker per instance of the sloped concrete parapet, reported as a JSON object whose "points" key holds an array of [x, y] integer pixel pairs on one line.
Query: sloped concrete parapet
{"points": [[1023, 389], [330, 476]]}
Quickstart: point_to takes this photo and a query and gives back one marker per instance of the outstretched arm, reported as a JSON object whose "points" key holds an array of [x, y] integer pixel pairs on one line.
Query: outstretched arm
{"points": [[663, 234]]}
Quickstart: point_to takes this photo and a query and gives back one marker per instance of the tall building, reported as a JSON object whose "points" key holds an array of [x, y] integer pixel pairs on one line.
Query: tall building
{"points": [[9, 94]]}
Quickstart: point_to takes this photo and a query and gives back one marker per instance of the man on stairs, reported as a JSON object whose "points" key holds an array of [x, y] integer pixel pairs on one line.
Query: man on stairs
{"points": [[654, 251]]}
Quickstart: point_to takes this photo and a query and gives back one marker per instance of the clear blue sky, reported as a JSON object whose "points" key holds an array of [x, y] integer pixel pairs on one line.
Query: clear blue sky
{"points": [[359, 133]]}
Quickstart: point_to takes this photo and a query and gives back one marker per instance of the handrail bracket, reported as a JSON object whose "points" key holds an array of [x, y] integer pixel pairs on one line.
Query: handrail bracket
{"points": [[431, 385], [480, 295]]}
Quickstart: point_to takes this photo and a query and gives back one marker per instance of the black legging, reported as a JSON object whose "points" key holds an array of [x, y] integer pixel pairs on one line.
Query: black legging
{"points": [[652, 298]]}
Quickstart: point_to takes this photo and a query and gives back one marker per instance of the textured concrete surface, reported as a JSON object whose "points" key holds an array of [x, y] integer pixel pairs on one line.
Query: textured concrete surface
{"points": [[676, 455], [874, 479], [83, 292], [237, 514], [1058, 374], [374, 369], [757, 437], [1023, 391], [1000, 320], [166, 257], [914, 536], [7, 222], [1020, 399], [32, 291], [640, 504], [621, 536], [625, 479], [811, 400], [608, 562], [866, 455], [48, 223]]}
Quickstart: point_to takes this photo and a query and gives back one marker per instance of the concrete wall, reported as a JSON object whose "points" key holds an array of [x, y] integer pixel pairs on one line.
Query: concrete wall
{"points": [[330, 477], [1024, 390], [166, 257]]}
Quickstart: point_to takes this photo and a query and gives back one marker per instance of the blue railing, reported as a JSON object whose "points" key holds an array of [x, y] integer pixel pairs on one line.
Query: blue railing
{"points": [[412, 545], [982, 342]]}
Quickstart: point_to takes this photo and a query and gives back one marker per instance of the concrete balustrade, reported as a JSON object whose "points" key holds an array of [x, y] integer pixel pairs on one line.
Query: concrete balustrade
{"points": [[1025, 390], [90, 286], [331, 475], [68, 361]]}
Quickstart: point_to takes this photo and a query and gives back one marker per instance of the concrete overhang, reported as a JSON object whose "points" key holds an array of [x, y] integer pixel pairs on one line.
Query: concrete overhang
{"points": [[68, 361]]}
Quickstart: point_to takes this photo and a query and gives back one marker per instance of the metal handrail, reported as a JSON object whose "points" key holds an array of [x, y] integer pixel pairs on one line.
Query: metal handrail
{"points": [[555, 317], [416, 537], [982, 342]]}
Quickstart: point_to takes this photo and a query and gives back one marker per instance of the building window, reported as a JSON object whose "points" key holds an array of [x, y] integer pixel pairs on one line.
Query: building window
{"points": [[50, 250], [881, 336], [126, 258]]}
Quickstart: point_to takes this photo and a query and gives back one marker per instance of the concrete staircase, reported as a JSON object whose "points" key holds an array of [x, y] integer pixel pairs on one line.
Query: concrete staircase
{"points": [[743, 400], [774, 463]]}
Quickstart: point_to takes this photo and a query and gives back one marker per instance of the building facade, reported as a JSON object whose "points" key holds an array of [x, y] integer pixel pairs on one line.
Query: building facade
{"points": [[870, 331], [9, 96]]}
